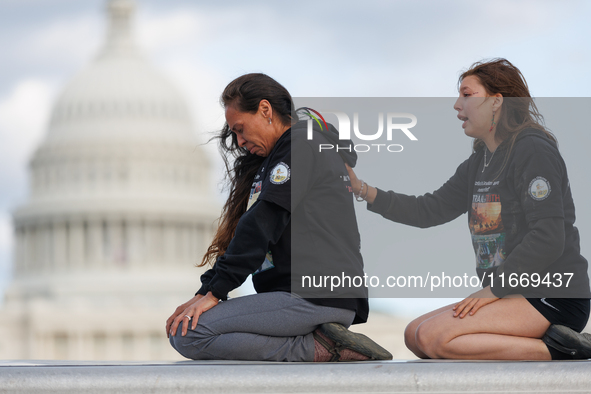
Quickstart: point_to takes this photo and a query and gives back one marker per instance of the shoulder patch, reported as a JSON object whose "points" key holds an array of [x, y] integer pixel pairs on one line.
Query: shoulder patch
{"points": [[539, 188], [279, 174]]}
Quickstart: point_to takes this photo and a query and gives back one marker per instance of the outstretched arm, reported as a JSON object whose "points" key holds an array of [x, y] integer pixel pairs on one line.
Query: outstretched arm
{"points": [[431, 209]]}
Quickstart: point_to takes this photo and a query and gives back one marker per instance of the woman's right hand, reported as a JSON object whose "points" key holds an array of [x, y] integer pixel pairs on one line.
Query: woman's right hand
{"points": [[191, 310], [368, 193], [355, 182]]}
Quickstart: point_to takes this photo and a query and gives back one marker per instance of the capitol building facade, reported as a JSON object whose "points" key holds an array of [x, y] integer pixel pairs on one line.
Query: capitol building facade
{"points": [[120, 210]]}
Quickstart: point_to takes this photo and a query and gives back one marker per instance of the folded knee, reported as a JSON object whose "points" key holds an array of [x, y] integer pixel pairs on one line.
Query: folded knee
{"points": [[431, 341], [191, 345], [409, 336], [181, 344]]}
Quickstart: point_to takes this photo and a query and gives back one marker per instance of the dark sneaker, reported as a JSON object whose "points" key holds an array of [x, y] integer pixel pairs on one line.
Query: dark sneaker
{"points": [[568, 341], [359, 343]]}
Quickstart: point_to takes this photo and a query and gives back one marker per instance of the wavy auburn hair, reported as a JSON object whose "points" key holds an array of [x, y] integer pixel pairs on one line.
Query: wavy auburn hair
{"points": [[519, 112], [245, 94]]}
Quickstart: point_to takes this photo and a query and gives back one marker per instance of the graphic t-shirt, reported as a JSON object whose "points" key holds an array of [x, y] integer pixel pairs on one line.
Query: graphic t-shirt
{"points": [[486, 225], [510, 194], [485, 217]]}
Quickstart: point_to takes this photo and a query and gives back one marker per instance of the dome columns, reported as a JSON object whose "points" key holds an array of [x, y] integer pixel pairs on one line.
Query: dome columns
{"points": [[108, 243]]}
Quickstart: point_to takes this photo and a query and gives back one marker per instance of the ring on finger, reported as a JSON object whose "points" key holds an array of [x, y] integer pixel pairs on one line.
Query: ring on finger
{"points": [[188, 317]]}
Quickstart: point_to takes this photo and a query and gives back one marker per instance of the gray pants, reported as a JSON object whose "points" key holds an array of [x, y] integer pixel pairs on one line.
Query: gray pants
{"points": [[261, 327]]}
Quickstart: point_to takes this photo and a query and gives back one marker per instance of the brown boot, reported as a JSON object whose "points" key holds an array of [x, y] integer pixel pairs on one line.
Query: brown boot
{"points": [[333, 342]]}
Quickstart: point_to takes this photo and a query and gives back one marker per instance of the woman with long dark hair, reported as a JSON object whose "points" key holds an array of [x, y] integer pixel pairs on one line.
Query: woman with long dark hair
{"points": [[255, 238], [517, 194]]}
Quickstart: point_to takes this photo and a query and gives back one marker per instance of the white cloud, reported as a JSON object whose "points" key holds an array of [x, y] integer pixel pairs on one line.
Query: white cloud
{"points": [[158, 32], [62, 43], [24, 113]]}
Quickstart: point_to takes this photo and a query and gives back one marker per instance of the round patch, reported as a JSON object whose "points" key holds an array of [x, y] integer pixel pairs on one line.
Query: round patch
{"points": [[539, 188], [279, 174]]}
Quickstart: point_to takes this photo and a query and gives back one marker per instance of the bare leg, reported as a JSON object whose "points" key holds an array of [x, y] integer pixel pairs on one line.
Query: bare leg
{"points": [[411, 329], [508, 329]]}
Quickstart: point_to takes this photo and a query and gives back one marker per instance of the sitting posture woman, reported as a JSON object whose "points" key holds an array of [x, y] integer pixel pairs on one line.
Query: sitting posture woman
{"points": [[516, 191], [254, 237]]}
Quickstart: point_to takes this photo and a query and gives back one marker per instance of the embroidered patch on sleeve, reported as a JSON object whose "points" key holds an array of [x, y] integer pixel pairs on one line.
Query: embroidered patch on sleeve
{"points": [[539, 188], [280, 174]]}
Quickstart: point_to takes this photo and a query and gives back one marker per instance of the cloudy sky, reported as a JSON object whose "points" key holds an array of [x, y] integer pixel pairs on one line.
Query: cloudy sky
{"points": [[315, 48]]}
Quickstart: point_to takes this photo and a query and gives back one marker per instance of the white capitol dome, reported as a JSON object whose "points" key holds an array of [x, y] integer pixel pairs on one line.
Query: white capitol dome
{"points": [[117, 89], [120, 210], [120, 131]]}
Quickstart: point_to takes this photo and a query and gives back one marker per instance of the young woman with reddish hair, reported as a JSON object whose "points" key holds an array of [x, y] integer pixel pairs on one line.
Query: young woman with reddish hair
{"points": [[526, 228]]}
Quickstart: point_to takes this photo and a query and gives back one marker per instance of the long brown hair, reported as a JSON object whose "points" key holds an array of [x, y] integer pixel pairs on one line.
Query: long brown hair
{"points": [[244, 93], [519, 112]]}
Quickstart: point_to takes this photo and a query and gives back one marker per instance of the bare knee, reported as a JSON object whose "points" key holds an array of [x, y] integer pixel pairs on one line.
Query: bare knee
{"points": [[422, 336], [410, 341], [431, 341], [409, 336]]}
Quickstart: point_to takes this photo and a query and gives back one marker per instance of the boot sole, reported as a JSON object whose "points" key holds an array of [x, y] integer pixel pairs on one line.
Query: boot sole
{"points": [[355, 341]]}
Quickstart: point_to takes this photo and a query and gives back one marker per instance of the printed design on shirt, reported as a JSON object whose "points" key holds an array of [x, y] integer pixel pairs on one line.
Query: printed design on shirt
{"points": [[280, 174], [539, 188], [255, 190], [486, 226], [267, 264]]}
